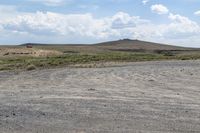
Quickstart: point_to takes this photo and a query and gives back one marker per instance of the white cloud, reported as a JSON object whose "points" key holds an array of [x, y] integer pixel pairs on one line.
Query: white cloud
{"points": [[49, 23], [123, 20], [58, 28], [187, 24], [53, 23], [159, 9], [50, 2], [197, 13], [145, 1], [182, 27]]}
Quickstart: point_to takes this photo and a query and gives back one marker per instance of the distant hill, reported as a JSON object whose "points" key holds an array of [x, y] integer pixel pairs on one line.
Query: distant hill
{"points": [[128, 44], [119, 45]]}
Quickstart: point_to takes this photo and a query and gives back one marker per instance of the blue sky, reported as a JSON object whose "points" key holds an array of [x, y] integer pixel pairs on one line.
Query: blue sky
{"points": [[175, 22]]}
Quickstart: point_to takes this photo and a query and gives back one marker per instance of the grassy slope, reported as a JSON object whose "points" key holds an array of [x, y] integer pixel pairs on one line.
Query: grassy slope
{"points": [[30, 63]]}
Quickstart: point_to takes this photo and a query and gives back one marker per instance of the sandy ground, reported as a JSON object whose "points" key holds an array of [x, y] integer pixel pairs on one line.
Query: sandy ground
{"points": [[148, 97]]}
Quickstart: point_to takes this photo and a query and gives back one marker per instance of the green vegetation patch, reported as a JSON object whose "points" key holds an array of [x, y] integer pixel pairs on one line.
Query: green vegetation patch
{"points": [[32, 63]]}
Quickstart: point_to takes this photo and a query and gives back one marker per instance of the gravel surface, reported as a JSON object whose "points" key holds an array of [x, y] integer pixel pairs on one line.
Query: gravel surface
{"points": [[147, 97]]}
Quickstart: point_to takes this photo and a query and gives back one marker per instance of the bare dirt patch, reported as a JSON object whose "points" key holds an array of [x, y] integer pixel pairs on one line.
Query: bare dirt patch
{"points": [[137, 97], [10, 52]]}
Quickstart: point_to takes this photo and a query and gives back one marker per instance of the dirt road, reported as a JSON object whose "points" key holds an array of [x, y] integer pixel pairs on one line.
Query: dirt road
{"points": [[148, 97]]}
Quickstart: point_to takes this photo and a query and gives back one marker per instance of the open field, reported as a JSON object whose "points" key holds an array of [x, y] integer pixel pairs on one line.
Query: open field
{"points": [[51, 56], [138, 97]]}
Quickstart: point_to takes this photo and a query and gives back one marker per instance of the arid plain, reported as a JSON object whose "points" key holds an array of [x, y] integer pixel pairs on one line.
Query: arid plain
{"points": [[119, 86], [161, 96]]}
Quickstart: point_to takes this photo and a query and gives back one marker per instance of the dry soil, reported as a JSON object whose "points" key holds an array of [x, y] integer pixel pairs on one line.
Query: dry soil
{"points": [[148, 97]]}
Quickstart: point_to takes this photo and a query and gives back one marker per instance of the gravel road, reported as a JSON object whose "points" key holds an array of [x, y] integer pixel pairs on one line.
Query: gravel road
{"points": [[146, 97]]}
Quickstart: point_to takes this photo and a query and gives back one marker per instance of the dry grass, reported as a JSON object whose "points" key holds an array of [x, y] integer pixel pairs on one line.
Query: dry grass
{"points": [[49, 56]]}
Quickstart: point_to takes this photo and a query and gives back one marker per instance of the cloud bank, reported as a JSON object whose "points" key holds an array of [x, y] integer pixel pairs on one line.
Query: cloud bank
{"points": [[60, 28]]}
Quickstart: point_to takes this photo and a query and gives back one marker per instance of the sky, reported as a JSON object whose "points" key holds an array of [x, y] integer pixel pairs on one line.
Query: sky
{"points": [[175, 22]]}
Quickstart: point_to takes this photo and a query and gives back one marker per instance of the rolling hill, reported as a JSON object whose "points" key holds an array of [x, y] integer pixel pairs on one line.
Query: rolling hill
{"points": [[127, 44], [119, 45]]}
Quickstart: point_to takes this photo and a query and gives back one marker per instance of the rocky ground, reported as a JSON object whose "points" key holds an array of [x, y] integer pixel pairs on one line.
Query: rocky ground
{"points": [[147, 97]]}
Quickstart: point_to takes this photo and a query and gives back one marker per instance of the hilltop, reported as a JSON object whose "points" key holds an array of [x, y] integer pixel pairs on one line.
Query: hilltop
{"points": [[125, 45]]}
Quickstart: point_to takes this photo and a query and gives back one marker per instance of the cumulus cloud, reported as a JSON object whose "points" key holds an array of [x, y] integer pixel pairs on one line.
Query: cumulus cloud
{"points": [[180, 27], [49, 23], [53, 23], [123, 20], [197, 13], [57, 27], [159, 9]]}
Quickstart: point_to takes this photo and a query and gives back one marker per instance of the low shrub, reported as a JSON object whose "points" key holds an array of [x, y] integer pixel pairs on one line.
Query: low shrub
{"points": [[31, 67]]}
